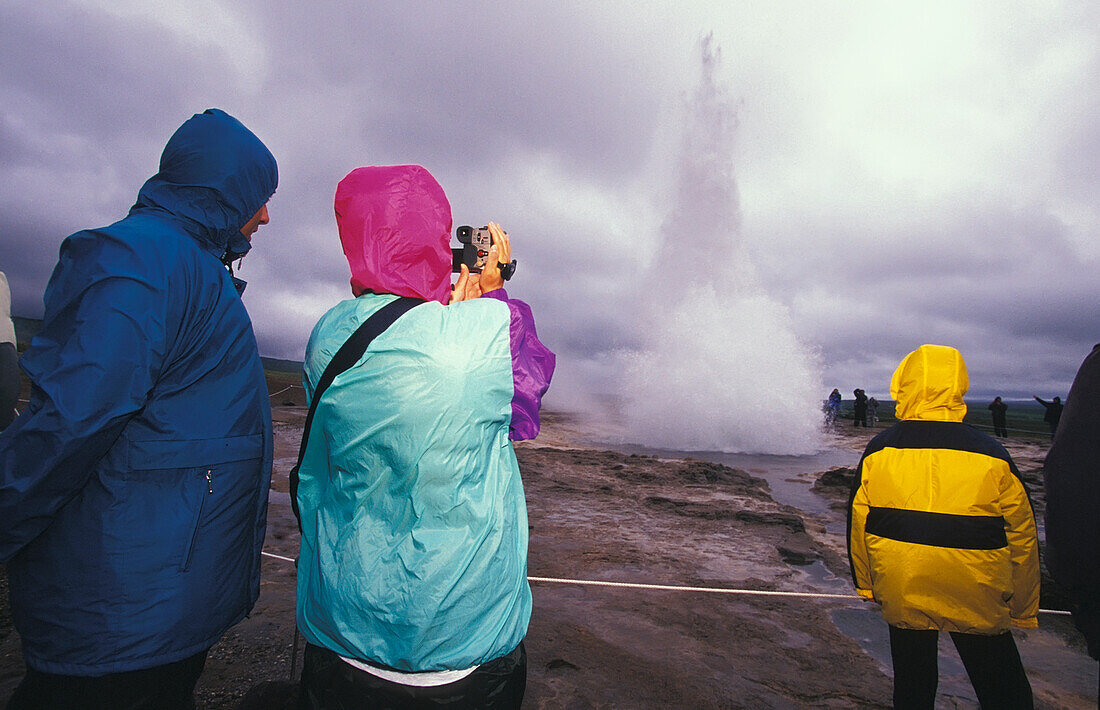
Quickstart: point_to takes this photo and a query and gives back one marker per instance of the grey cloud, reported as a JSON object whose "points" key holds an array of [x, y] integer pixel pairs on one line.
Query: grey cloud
{"points": [[466, 83], [872, 261], [107, 79]]}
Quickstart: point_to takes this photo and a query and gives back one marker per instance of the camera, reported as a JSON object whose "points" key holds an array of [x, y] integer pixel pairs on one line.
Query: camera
{"points": [[475, 251]]}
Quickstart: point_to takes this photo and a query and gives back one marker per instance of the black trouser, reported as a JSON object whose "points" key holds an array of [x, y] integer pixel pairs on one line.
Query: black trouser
{"points": [[167, 687], [999, 428], [328, 683], [9, 383], [992, 662]]}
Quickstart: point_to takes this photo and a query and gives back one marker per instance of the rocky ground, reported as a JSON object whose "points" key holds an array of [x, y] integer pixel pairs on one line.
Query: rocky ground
{"points": [[604, 515]]}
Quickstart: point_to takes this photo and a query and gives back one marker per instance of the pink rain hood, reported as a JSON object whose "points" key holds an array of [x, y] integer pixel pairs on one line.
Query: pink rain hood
{"points": [[395, 225]]}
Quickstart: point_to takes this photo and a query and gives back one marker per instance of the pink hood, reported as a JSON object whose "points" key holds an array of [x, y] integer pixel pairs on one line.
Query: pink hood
{"points": [[395, 225]]}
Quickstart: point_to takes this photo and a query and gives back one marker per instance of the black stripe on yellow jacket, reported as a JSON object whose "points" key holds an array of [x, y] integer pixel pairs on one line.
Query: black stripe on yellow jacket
{"points": [[926, 528], [961, 532]]}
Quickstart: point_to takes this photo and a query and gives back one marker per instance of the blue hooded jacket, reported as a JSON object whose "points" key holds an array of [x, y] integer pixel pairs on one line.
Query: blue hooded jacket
{"points": [[133, 489]]}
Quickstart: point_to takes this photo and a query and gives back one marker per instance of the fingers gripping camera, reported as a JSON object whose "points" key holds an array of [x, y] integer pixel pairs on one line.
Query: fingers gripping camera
{"points": [[475, 251]]}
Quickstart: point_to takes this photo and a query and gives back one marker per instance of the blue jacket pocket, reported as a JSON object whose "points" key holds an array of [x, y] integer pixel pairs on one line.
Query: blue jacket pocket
{"points": [[194, 453]]}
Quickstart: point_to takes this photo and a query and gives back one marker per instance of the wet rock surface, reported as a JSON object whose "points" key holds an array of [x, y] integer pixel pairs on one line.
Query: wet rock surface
{"points": [[835, 485], [631, 518]]}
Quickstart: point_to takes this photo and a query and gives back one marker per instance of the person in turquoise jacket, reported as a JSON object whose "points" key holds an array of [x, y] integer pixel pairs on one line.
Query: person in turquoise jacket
{"points": [[412, 574], [133, 487]]}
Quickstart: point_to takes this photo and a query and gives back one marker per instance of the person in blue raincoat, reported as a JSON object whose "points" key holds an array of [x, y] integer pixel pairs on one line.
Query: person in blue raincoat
{"points": [[832, 407], [412, 574], [133, 488]]}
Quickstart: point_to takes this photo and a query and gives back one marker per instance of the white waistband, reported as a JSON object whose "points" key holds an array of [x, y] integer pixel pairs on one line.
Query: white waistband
{"points": [[421, 680]]}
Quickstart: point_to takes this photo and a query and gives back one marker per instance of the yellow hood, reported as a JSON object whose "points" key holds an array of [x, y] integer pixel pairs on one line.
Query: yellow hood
{"points": [[929, 384]]}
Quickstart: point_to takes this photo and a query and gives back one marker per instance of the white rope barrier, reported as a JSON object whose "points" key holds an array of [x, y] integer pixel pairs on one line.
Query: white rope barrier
{"points": [[709, 590], [722, 590], [676, 588]]}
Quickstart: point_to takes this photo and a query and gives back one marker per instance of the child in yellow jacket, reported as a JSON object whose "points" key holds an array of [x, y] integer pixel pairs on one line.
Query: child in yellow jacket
{"points": [[941, 534]]}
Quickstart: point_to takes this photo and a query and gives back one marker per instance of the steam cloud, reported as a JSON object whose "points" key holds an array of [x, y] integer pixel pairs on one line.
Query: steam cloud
{"points": [[720, 368]]}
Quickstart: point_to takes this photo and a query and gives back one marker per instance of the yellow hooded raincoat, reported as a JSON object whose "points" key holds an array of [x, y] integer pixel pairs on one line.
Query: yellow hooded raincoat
{"points": [[940, 528]]}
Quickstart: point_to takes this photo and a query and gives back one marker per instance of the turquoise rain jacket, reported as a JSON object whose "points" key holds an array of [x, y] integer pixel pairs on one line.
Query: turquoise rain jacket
{"points": [[133, 489], [414, 524]]}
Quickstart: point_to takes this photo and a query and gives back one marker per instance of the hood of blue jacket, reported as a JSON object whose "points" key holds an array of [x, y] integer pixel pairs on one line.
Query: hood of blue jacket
{"points": [[214, 175]]}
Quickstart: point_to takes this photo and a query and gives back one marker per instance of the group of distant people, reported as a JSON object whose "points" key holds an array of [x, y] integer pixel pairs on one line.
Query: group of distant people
{"points": [[133, 488], [864, 409], [999, 411]]}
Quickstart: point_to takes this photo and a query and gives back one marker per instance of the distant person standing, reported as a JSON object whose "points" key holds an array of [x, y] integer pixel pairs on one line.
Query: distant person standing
{"points": [[1072, 480], [872, 411], [859, 409], [1000, 417], [941, 534], [832, 407], [9, 358], [1053, 413]]}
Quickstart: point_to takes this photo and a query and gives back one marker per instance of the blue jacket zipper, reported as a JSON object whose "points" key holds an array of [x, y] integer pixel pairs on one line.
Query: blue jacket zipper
{"points": [[198, 518]]}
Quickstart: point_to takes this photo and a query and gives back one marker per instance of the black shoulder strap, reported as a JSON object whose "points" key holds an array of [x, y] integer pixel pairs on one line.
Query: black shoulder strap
{"points": [[348, 354]]}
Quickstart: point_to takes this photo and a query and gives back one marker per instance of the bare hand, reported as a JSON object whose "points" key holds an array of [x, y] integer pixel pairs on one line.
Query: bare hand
{"points": [[467, 287], [499, 253]]}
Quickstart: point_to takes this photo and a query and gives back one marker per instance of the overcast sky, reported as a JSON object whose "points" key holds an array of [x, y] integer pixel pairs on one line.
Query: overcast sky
{"points": [[906, 172]]}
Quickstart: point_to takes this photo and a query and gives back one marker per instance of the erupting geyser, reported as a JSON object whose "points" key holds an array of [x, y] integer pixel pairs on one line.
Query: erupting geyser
{"points": [[720, 367]]}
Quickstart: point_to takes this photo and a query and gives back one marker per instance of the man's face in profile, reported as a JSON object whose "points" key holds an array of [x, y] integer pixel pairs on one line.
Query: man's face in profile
{"points": [[253, 224]]}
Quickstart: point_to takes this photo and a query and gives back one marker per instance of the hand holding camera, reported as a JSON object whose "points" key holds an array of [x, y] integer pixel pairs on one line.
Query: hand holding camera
{"points": [[499, 266], [474, 252], [484, 262]]}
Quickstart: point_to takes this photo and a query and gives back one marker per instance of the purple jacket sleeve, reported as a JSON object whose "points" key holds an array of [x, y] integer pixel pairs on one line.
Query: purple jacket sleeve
{"points": [[532, 367]]}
